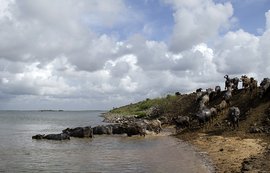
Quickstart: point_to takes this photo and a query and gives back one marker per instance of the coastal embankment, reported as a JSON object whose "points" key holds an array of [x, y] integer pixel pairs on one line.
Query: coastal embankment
{"points": [[242, 148]]}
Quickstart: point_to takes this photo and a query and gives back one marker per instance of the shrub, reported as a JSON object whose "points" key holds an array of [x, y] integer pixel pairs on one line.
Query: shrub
{"points": [[140, 114]]}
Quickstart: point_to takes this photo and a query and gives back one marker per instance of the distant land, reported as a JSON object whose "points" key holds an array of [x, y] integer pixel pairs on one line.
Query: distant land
{"points": [[49, 110]]}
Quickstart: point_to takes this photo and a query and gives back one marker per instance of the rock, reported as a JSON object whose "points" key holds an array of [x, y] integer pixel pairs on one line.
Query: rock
{"points": [[102, 129], [156, 111], [254, 129], [117, 129], [153, 125], [137, 127], [246, 167], [182, 121], [164, 120], [38, 136], [61, 136], [134, 129], [80, 132], [130, 128]]}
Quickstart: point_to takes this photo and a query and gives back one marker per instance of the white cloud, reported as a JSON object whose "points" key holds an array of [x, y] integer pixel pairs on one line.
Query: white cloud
{"points": [[106, 13], [267, 16], [237, 52], [4, 9], [35, 81], [65, 59], [197, 21], [264, 66]]}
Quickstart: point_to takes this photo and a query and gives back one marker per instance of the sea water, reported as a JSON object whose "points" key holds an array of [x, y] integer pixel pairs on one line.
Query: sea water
{"points": [[150, 154]]}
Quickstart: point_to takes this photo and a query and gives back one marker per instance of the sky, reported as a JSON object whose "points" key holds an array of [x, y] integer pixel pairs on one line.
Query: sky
{"points": [[82, 55]]}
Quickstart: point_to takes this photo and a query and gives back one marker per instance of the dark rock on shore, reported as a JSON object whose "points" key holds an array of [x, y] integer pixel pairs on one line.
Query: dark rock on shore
{"points": [[103, 129], [129, 126], [38, 136], [134, 129], [139, 127], [126, 128], [59, 137], [153, 125], [79, 132]]}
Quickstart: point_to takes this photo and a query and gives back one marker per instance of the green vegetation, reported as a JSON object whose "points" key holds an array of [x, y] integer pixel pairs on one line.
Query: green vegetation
{"points": [[143, 108]]}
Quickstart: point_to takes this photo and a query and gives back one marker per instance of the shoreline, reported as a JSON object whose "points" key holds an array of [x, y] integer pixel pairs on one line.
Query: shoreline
{"points": [[230, 153], [168, 130], [207, 161]]}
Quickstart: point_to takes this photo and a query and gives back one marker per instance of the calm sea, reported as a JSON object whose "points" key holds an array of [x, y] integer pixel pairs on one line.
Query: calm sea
{"points": [[152, 154]]}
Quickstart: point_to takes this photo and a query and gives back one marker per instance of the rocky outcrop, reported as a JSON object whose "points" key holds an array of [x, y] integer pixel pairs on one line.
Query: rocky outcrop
{"points": [[58, 137], [130, 128], [133, 129], [153, 125], [79, 132], [125, 128], [103, 129]]}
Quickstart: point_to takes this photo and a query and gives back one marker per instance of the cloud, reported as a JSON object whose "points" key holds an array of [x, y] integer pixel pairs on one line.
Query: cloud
{"points": [[35, 81], [44, 30], [264, 67], [267, 16], [71, 58], [197, 21], [237, 52]]}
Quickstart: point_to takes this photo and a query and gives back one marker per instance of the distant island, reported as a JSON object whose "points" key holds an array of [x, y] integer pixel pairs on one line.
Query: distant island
{"points": [[49, 110]]}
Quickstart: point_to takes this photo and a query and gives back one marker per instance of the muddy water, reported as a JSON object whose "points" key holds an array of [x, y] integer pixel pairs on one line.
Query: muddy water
{"points": [[19, 153]]}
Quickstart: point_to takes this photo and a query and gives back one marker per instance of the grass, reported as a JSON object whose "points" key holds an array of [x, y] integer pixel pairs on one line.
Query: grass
{"points": [[142, 108]]}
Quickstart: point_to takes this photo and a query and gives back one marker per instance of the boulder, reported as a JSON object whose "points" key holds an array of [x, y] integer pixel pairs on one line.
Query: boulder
{"points": [[102, 129], [38, 136], [125, 128], [117, 129], [153, 125], [134, 129], [254, 129], [182, 121], [59, 137], [80, 132]]}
